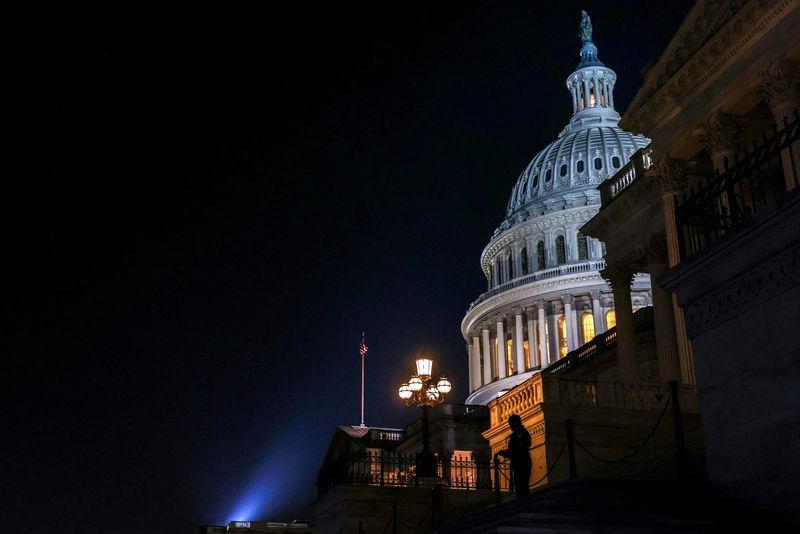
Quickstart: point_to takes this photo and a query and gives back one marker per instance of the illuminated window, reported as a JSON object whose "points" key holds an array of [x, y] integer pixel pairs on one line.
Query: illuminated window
{"points": [[524, 260], [583, 248], [540, 254], [561, 251], [526, 347], [611, 319], [509, 357], [579, 166], [587, 321], [562, 337], [592, 100], [495, 359]]}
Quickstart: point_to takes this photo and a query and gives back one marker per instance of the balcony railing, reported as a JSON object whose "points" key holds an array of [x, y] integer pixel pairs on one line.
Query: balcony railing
{"points": [[728, 200], [384, 468], [584, 266], [640, 161]]}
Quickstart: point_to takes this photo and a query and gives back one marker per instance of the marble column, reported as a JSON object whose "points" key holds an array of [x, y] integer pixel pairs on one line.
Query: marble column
{"points": [[597, 313], [569, 317], [502, 370], [664, 318], [553, 342], [487, 357], [476, 362], [470, 367], [532, 345], [596, 93], [672, 180], [519, 349], [540, 304], [620, 279]]}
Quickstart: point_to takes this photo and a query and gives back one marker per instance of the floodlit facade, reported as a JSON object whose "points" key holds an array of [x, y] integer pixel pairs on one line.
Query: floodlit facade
{"points": [[546, 296]]}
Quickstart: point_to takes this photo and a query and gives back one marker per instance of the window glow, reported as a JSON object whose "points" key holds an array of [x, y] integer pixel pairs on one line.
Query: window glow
{"points": [[611, 319], [526, 347], [509, 357], [562, 337], [587, 321]]}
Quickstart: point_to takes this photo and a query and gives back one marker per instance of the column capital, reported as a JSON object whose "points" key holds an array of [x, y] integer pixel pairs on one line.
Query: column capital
{"points": [[618, 276], [541, 304], [595, 295], [719, 132], [671, 175], [568, 299], [778, 85]]}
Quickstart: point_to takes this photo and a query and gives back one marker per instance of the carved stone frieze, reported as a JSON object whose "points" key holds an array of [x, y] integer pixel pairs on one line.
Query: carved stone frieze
{"points": [[717, 33], [738, 296]]}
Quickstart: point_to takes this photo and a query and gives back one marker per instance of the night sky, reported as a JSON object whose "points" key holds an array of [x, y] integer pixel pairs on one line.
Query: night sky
{"points": [[203, 209]]}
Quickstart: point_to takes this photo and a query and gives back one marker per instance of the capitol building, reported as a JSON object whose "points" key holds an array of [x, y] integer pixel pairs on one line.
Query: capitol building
{"points": [[546, 295]]}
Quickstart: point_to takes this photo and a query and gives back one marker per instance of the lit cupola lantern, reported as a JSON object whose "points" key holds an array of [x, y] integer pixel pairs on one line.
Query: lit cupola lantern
{"points": [[545, 294]]}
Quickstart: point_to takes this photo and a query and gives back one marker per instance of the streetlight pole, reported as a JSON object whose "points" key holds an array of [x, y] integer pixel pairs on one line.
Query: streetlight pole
{"points": [[424, 391]]}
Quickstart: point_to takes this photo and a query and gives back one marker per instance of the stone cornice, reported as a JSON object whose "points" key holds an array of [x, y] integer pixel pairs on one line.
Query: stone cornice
{"points": [[665, 90]]}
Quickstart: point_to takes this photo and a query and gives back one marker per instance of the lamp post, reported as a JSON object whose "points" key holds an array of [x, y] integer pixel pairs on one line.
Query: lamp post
{"points": [[424, 391]]}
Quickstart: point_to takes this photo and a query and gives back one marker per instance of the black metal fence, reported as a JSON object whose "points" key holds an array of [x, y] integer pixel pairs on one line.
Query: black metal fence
{"points": [[384, 468], [725, 201]]}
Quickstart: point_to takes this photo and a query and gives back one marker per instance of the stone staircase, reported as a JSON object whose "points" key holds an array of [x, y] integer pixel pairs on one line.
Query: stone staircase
{"points": [[614, 506]]}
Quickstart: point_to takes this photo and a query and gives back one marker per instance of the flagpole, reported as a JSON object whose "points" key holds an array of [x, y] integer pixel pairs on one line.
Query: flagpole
{"points": [[362, 348]]}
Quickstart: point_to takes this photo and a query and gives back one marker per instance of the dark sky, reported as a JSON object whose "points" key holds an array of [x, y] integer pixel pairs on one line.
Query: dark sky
{"points": [[203, 209]]}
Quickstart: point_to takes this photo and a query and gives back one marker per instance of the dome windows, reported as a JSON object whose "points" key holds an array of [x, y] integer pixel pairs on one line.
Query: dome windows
{"points": [[563, 170], [579, 166], [524, 260], [598, 164], [615, 162], [587, 323], [540, 254], [548, 175], [561, 250]]}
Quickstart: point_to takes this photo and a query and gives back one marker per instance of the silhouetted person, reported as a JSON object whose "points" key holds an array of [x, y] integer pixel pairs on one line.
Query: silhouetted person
{"points": [[518, 451]]}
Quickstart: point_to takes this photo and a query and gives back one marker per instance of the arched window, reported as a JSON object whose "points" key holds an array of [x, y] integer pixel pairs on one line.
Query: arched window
{"points": [[536, 179], [615, 162], [561, 250], [587, 321], [583, 248], [562, 337], [563, 170], [579, 166], [548, 175], [611, 319], [540, 254], [509, 357], [598, 164], [524, 260], [510, 266]]}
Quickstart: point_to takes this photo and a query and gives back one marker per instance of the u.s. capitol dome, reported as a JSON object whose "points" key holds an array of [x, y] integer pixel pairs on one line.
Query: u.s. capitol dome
{"points": [[545, 294]]}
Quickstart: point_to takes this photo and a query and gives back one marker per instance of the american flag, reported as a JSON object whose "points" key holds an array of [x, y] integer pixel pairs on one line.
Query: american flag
{"points": [[362, 347]]}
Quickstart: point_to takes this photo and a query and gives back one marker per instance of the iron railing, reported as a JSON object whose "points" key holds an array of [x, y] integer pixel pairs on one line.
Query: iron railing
{"points": [[384, 468], [728, 200]]}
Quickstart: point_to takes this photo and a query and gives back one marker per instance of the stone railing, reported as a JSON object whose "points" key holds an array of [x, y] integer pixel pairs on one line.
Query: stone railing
{"points": [[553, 272], [541, 388], [640, 161]]}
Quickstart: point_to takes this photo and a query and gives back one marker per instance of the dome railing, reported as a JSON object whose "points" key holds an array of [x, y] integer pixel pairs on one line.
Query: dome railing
{"points": [[553, 272]]}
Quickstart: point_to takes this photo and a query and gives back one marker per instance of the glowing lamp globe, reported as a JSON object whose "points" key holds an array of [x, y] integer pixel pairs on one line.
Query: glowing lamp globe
{"points": [[432, 393], [415, 384], [424, 366], [444, 385], [405, 391]]}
